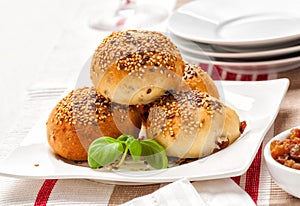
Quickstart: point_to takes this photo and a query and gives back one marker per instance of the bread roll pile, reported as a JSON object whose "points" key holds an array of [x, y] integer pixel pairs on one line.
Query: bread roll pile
{"points": [[140, 79]]}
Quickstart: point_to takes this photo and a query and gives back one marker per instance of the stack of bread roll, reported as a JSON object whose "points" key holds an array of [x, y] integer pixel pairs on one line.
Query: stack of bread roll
{"points": [[139, 78]]}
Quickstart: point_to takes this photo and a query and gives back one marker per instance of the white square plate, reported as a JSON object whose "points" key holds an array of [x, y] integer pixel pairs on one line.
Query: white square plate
{"points": [[237, 23], [256, 102]]}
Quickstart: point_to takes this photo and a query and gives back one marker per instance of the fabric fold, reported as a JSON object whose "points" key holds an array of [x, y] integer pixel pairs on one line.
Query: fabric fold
{"points": [[206, 193]]}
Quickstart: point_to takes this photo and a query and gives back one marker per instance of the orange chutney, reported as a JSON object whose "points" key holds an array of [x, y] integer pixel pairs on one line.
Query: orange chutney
{"points": [[287, 151]]}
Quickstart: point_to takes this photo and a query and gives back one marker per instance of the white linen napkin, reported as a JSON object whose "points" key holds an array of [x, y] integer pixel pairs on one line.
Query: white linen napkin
{"points": [[209, 193]]}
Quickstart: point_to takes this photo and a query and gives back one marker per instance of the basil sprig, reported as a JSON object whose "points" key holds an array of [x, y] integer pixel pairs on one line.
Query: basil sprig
{"points": [[106, 150]]}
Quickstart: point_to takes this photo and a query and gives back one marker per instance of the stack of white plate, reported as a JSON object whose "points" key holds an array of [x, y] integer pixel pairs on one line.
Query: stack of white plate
{"points": [[239, 36]]}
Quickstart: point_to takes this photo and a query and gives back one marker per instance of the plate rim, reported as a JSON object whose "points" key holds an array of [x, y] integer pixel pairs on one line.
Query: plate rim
{"points": [[255, 67], [234, 55]]}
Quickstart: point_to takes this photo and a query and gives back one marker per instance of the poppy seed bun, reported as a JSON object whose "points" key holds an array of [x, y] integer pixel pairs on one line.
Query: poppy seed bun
{"points": [[83, 116], [136, 67], [192, 124], [198, 80]]}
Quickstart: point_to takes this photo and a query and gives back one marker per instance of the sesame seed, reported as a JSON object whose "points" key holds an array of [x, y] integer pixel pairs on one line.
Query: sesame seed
{"points": [[192, 71], [180, 110], [82, 106], [134, 50]]}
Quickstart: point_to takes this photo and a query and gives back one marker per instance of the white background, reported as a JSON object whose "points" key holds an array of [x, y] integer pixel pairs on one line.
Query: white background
{"points": [[28, 31]]}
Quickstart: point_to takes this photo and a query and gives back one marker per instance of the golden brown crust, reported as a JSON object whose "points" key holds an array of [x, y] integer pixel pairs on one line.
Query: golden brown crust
{"points": [[72, 141], [83, 116], [136, 67], [192, 124], [197, 79]]}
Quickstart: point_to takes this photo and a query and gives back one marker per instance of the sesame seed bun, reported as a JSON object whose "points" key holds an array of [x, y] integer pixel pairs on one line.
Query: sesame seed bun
{"points": [[192, 124], [83, 116], [198, 80], [136, 67]]}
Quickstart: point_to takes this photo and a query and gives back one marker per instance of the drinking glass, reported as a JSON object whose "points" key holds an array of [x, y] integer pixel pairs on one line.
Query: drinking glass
{"points": [[128, 15]]}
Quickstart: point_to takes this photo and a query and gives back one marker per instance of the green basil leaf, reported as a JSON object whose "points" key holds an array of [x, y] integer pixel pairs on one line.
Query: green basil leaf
{"points": [[154, 154], [93, 164], [124, 137], [104, 151], [135, 148]]}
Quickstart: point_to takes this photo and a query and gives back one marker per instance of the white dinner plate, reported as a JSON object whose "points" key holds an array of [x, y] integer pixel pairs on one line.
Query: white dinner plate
{"points": [[246, 67], [211, 50], [237, 22], [255, 102]]}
